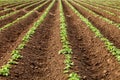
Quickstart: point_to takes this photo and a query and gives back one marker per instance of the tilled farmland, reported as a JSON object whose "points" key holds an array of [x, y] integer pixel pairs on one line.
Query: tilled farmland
{"points": [[59, 40]]}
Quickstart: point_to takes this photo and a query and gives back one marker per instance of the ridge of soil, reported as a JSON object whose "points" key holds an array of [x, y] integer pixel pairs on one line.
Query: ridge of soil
{"points": [[27, 4], [11, 18], [40, 10], [15, 5], [33, 6], [6, 12]]}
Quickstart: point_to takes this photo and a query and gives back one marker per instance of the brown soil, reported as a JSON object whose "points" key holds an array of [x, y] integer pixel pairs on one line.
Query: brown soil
{"points": [[41, 60], [11, 18], [4, 5], [11, 5], [9, 36], [99, 11], [91, 59], [20, 14], [40, 10], [12, 36], [27, 4], [14, 5], [110, 31], [33, 6], [1, 8], [5, 12], [18, 4]]}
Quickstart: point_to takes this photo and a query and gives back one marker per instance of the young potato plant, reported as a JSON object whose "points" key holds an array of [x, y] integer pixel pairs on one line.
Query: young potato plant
{"points": [[68, 62], [73, 76], [5, 70], [15, 55], [110, 47], [66, 49]]}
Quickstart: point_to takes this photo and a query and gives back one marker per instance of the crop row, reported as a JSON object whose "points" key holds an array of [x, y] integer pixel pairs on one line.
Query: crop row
{"points": [[16, 4], [66, 49], [23, 17], [9, 3], [7, 15], [106, 28], [111, 4], [115, 51], [24, 5], [101, 17], [12, 5], [19, 3], [15, 55], [32, 5], [16, 7], [9, 11], [104, 13], [17, 11], [115, 11], [101, 10]]}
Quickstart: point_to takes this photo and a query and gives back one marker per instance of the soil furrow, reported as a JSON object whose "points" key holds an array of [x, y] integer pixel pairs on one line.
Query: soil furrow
{"points": [[41, 60], [27, 4], [91, 59], [1, 8], [6, 12], [110, 31], [10, 5], [41, 9], [11, 18], [17, 4], [4, 5], [33, 6]]}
